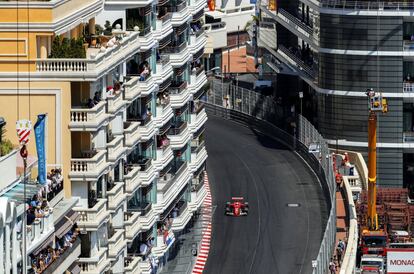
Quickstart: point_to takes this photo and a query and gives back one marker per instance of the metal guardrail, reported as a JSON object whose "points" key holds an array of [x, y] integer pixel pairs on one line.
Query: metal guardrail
{"points": [[367, 5], [220, 103]]}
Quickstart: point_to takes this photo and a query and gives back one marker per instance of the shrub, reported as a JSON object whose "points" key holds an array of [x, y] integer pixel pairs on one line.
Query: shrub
{"points": [[6, 147], [67, 48]]}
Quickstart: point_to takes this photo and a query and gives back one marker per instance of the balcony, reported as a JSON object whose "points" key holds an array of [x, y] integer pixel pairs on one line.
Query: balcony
{"points": [[132, 89], [164, 111], [132, 134], [179, 94], [90, 167], [198, 79], [96, 264], [116, 244], [179, 135], [164, 70], [115, 101], [180, 14], [306, 66], [116, 196], [163, 26], [88, 119], [163, 243], [179, 54], [408, 136], [40, 230], [198, 41], [136, 222], [198, 156], [197, 6], [131, 265], [198, 193], [169, 186], [116, 148], [408, 87], [97, 62], [65, 260], [184, 215], [146, 39], [136, 87], [92, 218], [132, 179], [142, 173], [164, 156], [144, 128], [198, 117]]}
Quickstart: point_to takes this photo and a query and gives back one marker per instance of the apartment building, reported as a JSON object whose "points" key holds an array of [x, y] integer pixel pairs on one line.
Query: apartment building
{"points": [[339, 49], [121, 82], [226, 29]]}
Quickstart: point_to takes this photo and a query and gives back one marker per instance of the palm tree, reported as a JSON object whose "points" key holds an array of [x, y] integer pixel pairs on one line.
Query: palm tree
{"points": [[255, 19]]}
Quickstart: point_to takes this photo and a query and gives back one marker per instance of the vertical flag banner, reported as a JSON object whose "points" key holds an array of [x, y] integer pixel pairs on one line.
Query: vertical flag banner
{"points": [[39, 129]]}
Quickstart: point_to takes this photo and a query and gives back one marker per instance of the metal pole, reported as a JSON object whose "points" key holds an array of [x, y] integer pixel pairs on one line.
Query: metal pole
{"points": [[238, 37], [228, 59], [23, 153]]}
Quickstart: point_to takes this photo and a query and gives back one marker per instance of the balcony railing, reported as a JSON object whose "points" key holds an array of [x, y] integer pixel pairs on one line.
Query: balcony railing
{"points": [[80, 116], [115, 195], [175, 48], [72, 252], [178, 129], [178, 8], [367, 5], [143, 208], [408, 136], [116, 243], [94, 264], [197, 149], [408, 87], [166, 17], [95, 161], [131, 264], [178, 88], [164, 60], [93, 216], [96, 59], [165, 184], [38, 229]]}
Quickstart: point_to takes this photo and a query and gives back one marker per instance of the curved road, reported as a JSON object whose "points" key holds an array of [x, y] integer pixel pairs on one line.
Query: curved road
{"points": [[273, 238]]}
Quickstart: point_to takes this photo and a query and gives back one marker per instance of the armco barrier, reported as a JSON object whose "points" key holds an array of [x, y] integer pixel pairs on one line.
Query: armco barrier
{"points": [[324, 173]]}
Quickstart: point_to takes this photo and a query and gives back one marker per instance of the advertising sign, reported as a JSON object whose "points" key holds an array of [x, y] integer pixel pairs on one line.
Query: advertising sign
{"points": [[401, 261]]}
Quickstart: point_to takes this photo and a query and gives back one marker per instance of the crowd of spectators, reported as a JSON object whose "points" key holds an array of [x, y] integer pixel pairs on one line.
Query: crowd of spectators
{"points": [[48, 255]]}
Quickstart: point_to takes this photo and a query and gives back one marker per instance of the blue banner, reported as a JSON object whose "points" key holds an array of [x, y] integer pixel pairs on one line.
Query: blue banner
{"points": [[39, 129]]}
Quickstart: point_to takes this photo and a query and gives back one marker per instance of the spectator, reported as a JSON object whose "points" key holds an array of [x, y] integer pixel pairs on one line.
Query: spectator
{"points": [[90, 103], [97, 97], [339, 252], [332, 267], [31, 217]]}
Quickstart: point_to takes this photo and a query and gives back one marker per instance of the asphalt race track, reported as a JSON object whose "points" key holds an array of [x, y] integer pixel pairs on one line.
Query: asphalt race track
{"points": [[273, 238]]}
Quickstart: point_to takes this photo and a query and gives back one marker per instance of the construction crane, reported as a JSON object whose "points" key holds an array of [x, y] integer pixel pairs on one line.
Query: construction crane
{"points": [[373, 239]]}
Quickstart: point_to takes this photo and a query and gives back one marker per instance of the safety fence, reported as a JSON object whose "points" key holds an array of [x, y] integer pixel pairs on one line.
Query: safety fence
{"points": [[254, 109]]}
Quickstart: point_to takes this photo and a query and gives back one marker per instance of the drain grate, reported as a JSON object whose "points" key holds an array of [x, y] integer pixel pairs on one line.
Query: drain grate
{"points": [[293, 205]]}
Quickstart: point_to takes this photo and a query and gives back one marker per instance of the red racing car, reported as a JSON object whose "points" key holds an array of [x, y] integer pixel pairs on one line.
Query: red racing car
{"points": [[237, 207]]}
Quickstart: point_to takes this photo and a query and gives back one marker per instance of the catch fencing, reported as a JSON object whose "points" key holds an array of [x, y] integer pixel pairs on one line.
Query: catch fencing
{"points": [[256, 110]]}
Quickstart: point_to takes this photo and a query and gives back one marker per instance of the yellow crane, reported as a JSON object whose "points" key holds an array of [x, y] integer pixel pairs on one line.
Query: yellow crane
{"points": [[373, 239]]}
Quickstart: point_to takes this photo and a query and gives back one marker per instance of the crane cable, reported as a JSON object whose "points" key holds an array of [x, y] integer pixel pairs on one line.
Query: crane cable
{"points": [[378, 86]]}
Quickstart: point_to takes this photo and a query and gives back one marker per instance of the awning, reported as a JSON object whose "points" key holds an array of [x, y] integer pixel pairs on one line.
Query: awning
{"points": [[74, 268], [66, 223], [18, 193]]}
